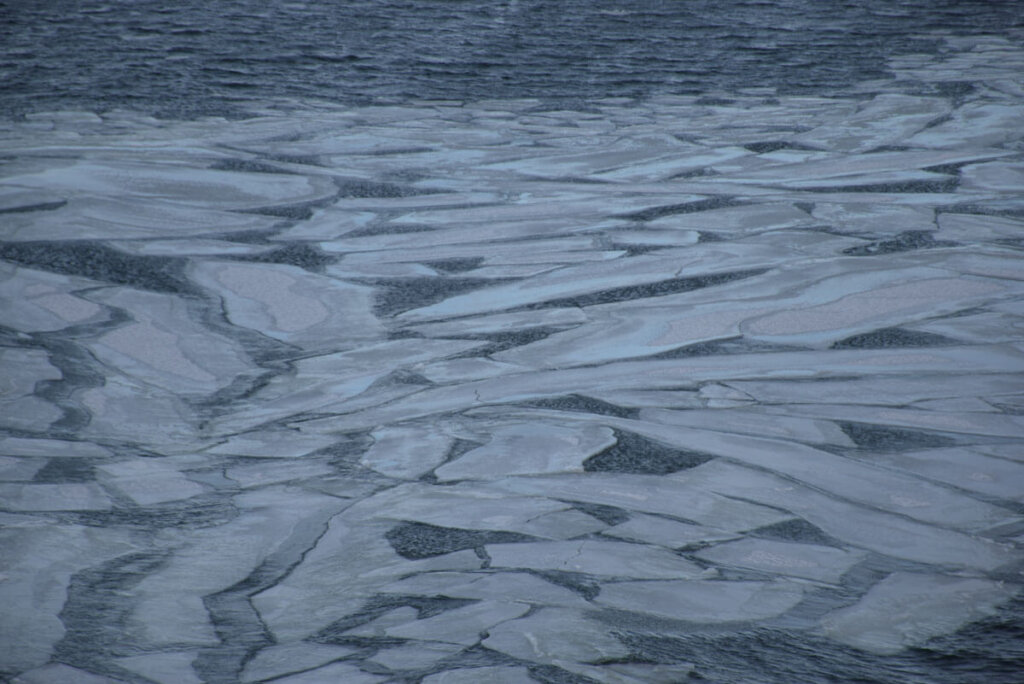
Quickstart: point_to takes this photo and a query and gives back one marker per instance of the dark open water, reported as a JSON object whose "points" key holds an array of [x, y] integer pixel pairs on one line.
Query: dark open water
{"points": [[190, 58]]}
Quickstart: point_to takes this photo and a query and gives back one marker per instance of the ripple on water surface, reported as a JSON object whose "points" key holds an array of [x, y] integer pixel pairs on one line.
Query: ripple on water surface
{"points": [[193, 58]]}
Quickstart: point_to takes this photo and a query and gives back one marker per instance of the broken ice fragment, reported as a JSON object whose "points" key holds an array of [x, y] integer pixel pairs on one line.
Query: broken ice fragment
{"points": [[906, 609]]}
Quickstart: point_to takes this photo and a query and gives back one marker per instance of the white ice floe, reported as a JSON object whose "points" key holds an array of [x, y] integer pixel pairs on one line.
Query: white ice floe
{"points": [[163, 667], [272, 444], [752, 421], [460, 625], [22, 446], [281, 659], [475, 675], [37, 565], [738, 220], [503, 586], [58, 673], [974, 124], [165, 346], [461, 506], [415, 655], [338, 672], [169, 608], [123, 409], [702, 600], [70, 496], [994, 176], [32, 300], [333, 582], [972, 423], [963, 468], [23, 368], [603, 558], [150, 481], [809, 561], [856, 525], [407, 451], [665, 532], [291, 304], [874, 390], [906, 609], [162, 181], [379, 626], [503, 322], [879, 307], [649, 494], [528, 448], [554, 634], [123, 217], [873, 218], [18, 469], [974, 227]]}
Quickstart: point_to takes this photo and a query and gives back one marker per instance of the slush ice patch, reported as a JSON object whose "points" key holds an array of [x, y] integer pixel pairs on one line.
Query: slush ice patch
{"points": [[767, 146], [574, 581], [195, 513], [795, 530], [42, 206], [657, 289], [931, 186], [1008, 208], [96, 612], [99, 262], [885, 438], [69, 469], [637, 455], [364, 189], [893, 337], [737, 345], [685, 208], [420, 540], [245, 166], [398, 295], [295, 254], [582, 404], [610, 515], [506, 340], [456, 265], [379, 605], [904, 242], [293, 212], [954, 89]]}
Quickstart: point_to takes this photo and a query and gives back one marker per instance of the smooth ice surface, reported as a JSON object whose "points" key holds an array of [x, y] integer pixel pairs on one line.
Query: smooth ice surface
{"points": [[529, 448], [590, 390], [555, 634], [906, 609], [703, 601], [796, 560]]}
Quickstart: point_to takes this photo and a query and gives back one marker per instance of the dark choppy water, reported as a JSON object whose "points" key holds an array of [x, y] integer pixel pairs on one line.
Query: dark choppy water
{"points": [[193, 58]]}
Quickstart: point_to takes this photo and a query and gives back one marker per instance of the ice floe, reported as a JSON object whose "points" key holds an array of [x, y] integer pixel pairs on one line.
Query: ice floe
{"points": [[706, 601], [906, 609]]}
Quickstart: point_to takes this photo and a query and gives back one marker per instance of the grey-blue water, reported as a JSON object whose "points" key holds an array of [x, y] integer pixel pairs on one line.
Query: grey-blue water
{"points": [[190, 58]]}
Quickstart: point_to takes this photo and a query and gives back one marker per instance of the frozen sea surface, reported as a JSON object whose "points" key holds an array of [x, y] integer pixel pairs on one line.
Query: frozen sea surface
{"points": [[658, 390]]}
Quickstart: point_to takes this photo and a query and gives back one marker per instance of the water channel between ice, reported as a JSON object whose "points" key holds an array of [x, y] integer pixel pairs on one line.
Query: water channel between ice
{"points": [[687, 388]]}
